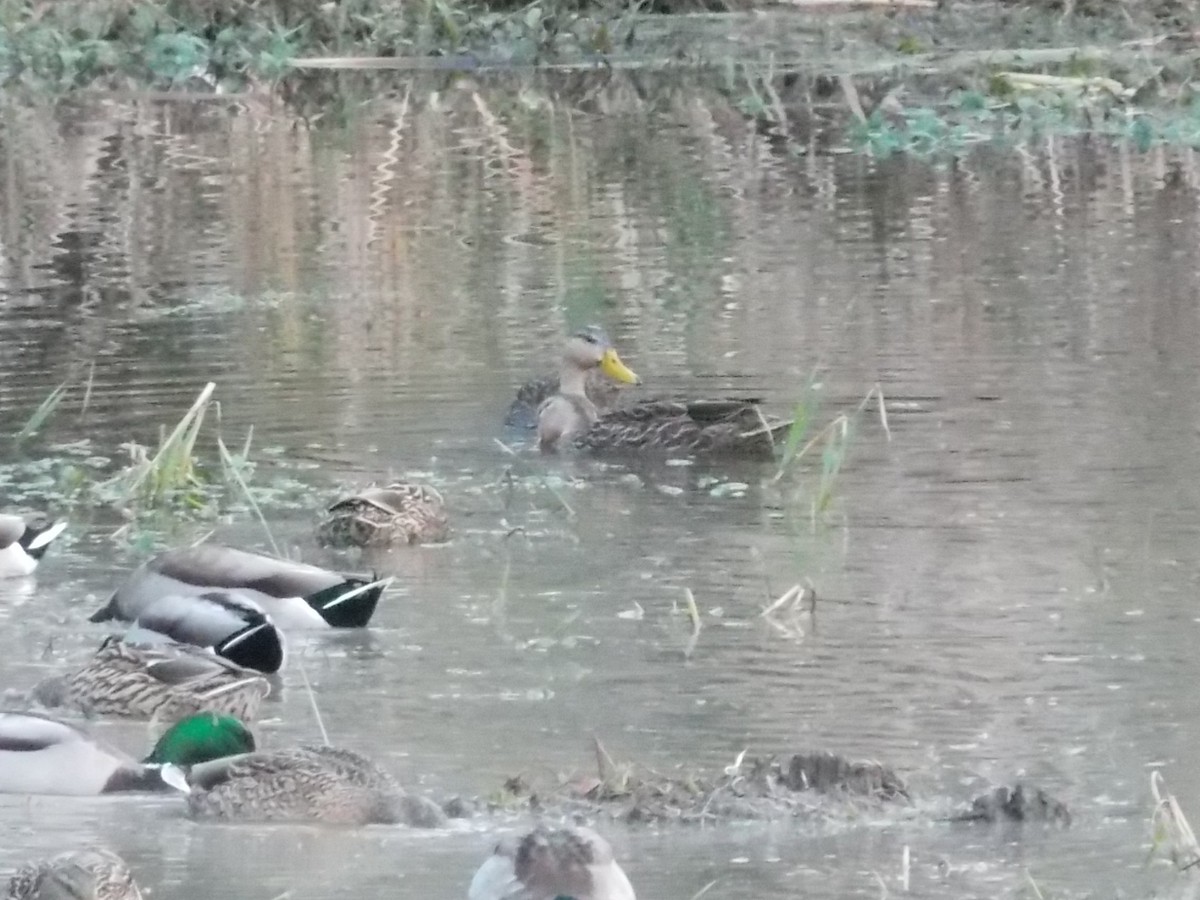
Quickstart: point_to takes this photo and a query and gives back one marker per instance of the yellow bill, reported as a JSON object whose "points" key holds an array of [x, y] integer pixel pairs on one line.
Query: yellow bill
{"points": [[611, 365]]}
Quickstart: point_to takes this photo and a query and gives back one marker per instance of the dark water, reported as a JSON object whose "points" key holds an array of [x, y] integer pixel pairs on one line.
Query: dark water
{"points": [[1007, 586]]}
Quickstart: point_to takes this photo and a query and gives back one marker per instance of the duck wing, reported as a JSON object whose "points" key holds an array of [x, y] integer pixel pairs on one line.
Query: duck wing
{"points": [[691, 427], [30, 732]]}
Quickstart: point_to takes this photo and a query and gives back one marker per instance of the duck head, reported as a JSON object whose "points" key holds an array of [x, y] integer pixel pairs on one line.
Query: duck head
{"points": [[590, 348], [201, 738]]}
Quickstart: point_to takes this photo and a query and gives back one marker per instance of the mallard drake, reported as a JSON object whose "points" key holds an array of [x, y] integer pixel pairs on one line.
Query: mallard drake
{"points": [[22, 545], [569, 412], [165, 681], [712, 427], [309, 783], [92, 874], [230, 624], [295, 595], [401, 513], [548, 863], [41, 755]]}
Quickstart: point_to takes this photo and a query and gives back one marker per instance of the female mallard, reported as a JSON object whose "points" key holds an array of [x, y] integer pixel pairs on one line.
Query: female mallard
{"points": [[549, 863], [40, 755], [712, 427], [401, 513], [700, 427], [92, 874], [569, 412], [165, 681], [22, 545], [295, 595], [310, 783], [523, 413]]}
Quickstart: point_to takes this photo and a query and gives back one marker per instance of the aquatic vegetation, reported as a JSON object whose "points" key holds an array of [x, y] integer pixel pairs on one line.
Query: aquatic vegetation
{"points": [[1172, 833], [171, 472], [835, 441], [156, 487], [39, 416], [174, 43]]}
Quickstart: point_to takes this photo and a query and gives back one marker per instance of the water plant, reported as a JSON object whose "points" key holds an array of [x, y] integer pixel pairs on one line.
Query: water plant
{"points": [[155, 487], [1172, 834], [40, 415], [834, 439], [171, 473]]}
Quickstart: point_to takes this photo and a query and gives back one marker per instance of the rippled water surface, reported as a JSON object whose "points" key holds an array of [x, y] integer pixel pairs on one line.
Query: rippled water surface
{"points": [[1007, 586]]}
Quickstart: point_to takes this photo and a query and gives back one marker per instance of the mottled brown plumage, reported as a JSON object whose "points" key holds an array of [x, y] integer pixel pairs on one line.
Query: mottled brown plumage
{"points": [[523, 413], [81, 875], [552, 862], [166, 680], [401, 513], [701, 427], [311, 783]]}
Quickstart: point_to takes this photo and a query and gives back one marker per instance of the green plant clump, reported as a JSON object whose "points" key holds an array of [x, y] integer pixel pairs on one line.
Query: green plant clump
{"points": [[62, 44], [167, 484]]}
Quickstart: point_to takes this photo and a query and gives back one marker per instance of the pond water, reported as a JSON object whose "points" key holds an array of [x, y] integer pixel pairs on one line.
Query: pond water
{"points": [[1006, 576]]}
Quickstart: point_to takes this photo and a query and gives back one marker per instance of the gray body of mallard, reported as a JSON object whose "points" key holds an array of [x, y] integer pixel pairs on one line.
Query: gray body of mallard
{"points": [[41, 755], [22, 545], [400, 513], [230, 624], [92, 874], [294, 595], [312, 783], [167, 681], [547, 863]]}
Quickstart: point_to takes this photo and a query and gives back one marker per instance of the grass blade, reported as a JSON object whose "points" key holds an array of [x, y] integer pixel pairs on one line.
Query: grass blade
{"points": [[44, 411]]}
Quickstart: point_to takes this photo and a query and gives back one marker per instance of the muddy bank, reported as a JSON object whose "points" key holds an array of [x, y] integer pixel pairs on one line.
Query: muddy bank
{"points": [[811, 785]]}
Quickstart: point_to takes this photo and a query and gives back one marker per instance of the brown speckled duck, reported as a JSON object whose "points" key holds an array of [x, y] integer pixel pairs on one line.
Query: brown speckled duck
{"points": [[523, 413], [92, 874], [733, 427], [401, 513], [549, 863], [165, 680]]}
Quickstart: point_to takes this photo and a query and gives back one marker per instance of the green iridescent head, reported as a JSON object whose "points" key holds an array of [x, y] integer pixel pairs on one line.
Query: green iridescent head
{"points": [[201, 738]]}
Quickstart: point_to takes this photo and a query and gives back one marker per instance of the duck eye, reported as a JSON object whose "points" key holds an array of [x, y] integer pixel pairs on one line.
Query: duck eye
{"points": [[590, 338]]}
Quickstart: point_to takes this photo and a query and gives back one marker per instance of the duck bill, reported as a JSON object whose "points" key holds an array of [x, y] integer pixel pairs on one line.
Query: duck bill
{"points": [[611, 365]]}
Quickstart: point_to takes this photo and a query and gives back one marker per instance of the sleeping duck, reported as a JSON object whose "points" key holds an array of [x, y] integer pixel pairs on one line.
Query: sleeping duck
{"points": [[294, 595]]}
